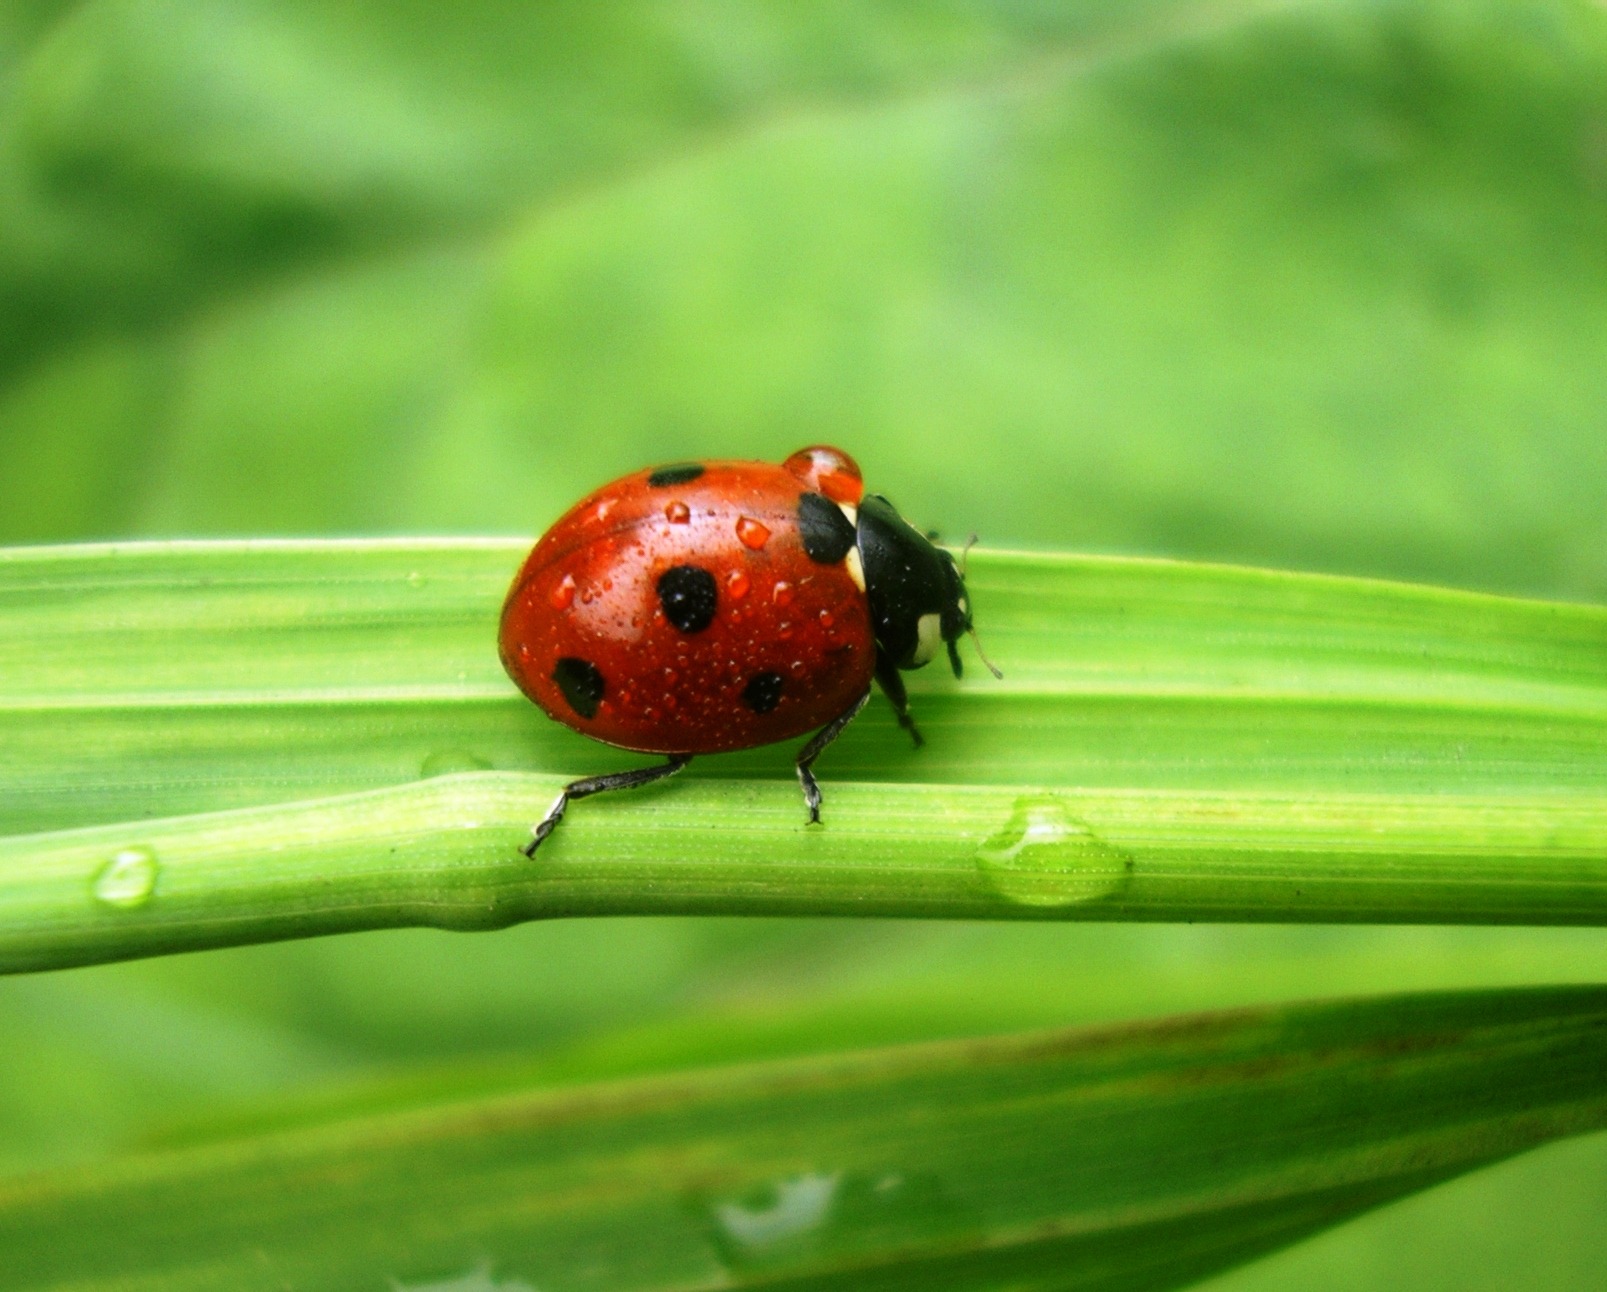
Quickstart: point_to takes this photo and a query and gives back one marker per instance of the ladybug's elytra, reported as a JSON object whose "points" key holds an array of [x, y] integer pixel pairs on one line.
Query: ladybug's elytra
{"points": [[708, 606]]}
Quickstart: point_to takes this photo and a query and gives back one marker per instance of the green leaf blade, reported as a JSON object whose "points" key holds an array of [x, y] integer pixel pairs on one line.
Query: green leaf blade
{"points": [[262, 735], [1136, 1157]]}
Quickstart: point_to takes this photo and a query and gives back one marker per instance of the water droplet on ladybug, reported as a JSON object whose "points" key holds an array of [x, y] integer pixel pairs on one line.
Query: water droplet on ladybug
{"points": [[678, 513], [604, 508], [563, 593], [784, 632], [781, 594], [736, 584], [827, 619], [752, 533]]}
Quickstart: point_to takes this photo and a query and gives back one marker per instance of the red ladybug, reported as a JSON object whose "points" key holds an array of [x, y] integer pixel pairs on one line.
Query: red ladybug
{"points": [[709, 606]]}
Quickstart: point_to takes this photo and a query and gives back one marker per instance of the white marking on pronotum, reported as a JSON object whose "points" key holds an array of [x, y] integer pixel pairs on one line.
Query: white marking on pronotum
{"points": [[928, 637], [856, 568]]}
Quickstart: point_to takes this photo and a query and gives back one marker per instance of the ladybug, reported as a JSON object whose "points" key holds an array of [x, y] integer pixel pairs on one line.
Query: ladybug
{"points": [[703, 607]]}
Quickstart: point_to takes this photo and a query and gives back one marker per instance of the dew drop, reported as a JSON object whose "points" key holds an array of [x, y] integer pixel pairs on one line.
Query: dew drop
{"points": [[781, 1215], [827, 619], [784, 632], [678, 513], [736, 584], [603, 509], [752, 533], [1044, 856], [786, 1228], [562, 595], [128, 879], [446, 762], [781, 594]]}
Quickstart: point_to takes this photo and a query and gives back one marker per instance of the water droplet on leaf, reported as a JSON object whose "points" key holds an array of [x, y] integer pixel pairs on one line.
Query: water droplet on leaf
{"points": [[128, 879], [1044, 856], [444, 762]]}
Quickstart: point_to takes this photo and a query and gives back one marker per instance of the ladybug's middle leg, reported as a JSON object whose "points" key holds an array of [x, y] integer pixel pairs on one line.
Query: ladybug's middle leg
{"points": [[817, 746], [892, 683], [596, 785]]}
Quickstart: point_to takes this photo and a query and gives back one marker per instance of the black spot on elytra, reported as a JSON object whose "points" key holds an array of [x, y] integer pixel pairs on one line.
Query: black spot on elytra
{"points": [[688, 595], [674, 474], [763, 692], [827, 533], [581, 684]]}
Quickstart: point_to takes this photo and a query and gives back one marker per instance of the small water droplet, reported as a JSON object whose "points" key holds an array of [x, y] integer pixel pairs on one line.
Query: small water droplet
{"points": [[786, 1211], [784, 632], [752, 533], [787, 1226], [562, 595], [781, 594], [827, 619], [603, 509], [736, 584], [678, 513], [445, 762], [128, 879], [1044, 856], [479, 1279]]}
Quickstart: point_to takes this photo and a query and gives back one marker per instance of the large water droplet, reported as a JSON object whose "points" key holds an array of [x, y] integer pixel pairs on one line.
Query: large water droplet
{"points": [[444, 762], [1044, 856], [128, 879]]}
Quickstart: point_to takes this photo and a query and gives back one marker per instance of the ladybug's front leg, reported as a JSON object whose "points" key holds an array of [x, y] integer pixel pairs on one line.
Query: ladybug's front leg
{"points": [[596, 785], [817, 746]]}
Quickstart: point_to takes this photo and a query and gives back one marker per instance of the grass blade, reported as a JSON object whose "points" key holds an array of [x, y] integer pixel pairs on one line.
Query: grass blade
{"points": [[1136, 1157], [219, 743]]}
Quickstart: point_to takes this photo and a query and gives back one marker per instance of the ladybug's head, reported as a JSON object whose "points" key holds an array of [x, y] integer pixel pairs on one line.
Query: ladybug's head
{"points": [[915, 589]]}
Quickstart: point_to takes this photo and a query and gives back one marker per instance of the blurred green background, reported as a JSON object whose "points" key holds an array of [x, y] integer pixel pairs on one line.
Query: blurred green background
{"points": [[1318, 285]]}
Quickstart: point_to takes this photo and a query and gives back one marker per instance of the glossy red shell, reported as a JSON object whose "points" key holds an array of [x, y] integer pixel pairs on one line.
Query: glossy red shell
{"points": [[589, 591]]}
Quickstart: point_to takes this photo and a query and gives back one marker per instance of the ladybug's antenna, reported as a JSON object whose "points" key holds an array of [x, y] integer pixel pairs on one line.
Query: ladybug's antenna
{"points": [[977, 642], [965, 552]]}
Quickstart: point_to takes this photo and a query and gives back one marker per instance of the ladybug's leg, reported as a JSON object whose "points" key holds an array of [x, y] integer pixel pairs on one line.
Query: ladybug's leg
{"points": [[817, 746], [596, 785], [892, 684]]}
